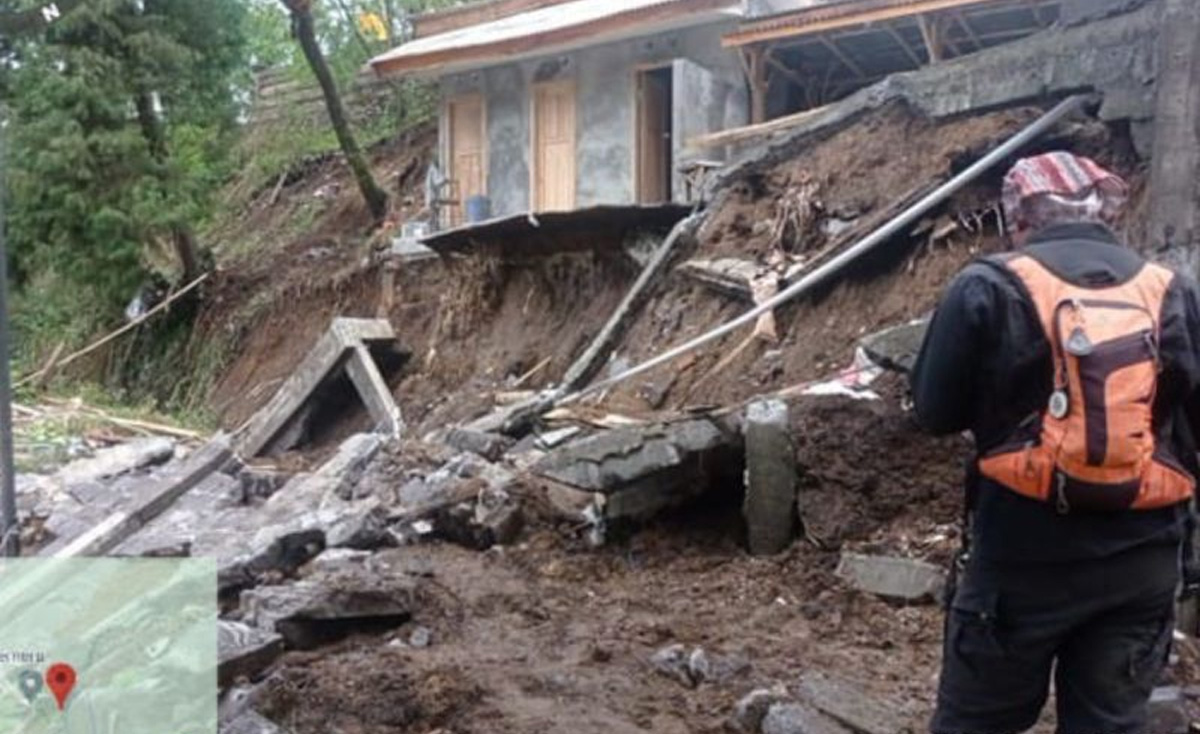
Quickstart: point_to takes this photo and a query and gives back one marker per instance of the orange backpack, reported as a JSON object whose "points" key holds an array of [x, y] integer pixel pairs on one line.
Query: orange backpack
{"points": [[1095, 448]]}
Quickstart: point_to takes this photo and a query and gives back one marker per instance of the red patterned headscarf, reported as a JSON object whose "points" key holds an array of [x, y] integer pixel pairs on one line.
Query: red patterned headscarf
{"points": [[1059, 187]]}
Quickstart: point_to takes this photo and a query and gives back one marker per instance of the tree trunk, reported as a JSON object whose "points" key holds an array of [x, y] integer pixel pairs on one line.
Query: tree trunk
{"points": [[304, 30], [156, 140]]}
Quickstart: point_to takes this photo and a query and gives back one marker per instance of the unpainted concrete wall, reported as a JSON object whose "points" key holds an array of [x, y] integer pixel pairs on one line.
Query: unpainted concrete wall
{"points": [[710, 95]]}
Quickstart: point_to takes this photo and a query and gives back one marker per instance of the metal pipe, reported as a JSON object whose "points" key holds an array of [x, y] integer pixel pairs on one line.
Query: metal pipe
{"points": [[876, 238], [10, 530]]}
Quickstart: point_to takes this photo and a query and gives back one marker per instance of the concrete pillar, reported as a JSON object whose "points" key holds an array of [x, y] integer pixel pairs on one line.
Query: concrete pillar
{"points": [[770, 504], [1175, 168]]}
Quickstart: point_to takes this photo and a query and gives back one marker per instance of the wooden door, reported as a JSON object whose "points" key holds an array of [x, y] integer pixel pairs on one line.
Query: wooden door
{"points": [[466, 152], [554, 146], [654, 136]]}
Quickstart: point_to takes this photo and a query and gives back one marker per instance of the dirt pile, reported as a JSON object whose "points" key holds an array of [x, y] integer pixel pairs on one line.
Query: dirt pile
{"points": [[837, 184]]}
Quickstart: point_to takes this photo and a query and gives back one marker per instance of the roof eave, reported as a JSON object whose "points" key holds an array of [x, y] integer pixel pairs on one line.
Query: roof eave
{"points": [[486, 54]]}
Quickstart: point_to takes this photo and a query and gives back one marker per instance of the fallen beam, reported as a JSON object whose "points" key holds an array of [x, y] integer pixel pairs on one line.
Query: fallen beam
{"points": [[590, 362], [151, 500], [345, 346]]}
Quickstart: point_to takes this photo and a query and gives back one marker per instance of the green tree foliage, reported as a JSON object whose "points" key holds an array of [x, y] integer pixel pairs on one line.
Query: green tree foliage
{"points": [[120, 113]]}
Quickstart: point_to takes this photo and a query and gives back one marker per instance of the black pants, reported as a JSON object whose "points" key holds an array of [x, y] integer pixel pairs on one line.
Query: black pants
{"points": [[1104, 628]]}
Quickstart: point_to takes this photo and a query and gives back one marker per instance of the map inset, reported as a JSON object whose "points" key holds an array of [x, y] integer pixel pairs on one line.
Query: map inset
{"points": [[108, 646]]}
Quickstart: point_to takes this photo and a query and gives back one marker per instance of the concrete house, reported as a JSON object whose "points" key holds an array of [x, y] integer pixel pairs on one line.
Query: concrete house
{"points": [[558, 106]]}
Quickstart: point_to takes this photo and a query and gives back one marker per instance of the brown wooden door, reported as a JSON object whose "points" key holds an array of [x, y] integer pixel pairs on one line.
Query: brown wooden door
{"points": [[466, 151], [654, 136], [554, 146]]}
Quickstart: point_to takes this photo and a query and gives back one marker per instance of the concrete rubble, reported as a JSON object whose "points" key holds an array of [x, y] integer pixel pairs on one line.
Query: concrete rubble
{"points": [[901, 579], [345, 349]]}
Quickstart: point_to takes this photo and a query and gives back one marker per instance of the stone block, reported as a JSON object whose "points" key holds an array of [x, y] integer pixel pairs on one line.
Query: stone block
{"points": [[901, 579]]}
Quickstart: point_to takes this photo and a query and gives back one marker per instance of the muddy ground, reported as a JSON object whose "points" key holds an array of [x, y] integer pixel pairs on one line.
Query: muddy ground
{"points": [[549, 635]]}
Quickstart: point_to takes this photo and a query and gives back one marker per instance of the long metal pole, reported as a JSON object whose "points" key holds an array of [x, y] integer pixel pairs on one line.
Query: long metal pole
{"points": [[876, 238], [11, 536]]}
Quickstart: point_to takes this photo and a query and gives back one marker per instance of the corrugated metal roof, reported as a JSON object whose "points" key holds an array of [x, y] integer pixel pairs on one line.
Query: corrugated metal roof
{"points": [[846, 12], [578, 23]]}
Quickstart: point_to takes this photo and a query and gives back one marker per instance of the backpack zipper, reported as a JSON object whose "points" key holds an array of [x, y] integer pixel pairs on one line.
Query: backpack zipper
{"points": [[1063, 506]]}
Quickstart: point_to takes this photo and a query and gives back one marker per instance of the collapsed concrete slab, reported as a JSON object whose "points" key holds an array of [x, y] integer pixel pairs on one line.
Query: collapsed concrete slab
{"points": [[849, 705], [795, 718], [633, 474], [1115, 56], [896, 348], [146, 502], [901, 579], [244, 652], [330, 604], [344, 349], [252, 722], [251, 537]]}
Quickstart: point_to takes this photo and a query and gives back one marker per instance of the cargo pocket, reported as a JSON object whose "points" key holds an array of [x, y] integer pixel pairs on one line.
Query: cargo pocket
{"points": [[975, 631], [1147, 661]]}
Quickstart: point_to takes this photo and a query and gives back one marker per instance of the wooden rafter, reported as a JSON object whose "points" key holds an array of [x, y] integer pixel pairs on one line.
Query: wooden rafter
{"points": [[791, 74], [842, 15], [848, 62], [932, 32]]}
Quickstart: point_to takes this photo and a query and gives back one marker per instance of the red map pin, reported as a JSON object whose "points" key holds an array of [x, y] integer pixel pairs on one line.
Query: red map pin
{"points": [[60, 679]]}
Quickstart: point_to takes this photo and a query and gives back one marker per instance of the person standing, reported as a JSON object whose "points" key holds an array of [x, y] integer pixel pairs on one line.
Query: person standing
{"points": [[1075, 365]]}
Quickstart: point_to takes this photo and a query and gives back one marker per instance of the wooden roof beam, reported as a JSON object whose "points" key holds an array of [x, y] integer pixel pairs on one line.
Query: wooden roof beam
{"points": [[787, 71]]}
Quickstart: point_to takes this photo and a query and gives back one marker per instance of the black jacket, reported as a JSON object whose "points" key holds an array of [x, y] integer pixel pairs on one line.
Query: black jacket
{"points": [[985, 366]]}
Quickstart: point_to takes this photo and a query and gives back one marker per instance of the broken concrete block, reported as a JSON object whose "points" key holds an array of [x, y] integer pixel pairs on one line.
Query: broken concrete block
{"points": [[1168, 711], [251, 722], [149, 500], [901, 579], [752, 708], [771, 478], [896, 348], [613, 460], [353, 456], [794, 718], [672, 662], [850, 705], [120, 459], [490, 446], [244, 651], [730, 276], [326, 606]]}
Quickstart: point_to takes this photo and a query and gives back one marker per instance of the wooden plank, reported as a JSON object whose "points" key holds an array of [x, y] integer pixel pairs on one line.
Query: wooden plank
{"points": [[823, 19], [554, 146], [738, 135]]}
